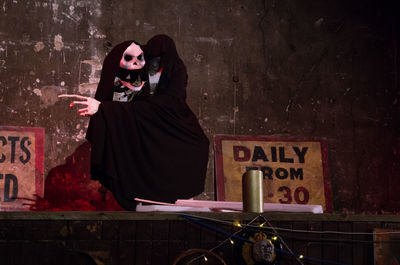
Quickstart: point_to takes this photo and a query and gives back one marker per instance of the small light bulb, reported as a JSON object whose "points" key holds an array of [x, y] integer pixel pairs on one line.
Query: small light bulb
{"points": [[301, 256], [237, 223], [261, 225], [205, 258], [274, 238], [231, 241]]}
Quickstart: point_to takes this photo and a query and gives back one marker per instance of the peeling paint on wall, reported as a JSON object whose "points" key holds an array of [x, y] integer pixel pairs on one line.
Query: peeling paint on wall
{"points": [[48, 95], [198, 57], [228, 41], [58, 43], [87, 88], [210, 40], [94, 77], [75, 18], [148, 27], [55, 11], [3, 54], [37, 92], [94, 32], [80, 136], [38, 46]]}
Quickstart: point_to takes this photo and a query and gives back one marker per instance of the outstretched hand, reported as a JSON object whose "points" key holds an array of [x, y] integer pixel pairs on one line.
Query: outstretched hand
{"points": [[91, 104]]}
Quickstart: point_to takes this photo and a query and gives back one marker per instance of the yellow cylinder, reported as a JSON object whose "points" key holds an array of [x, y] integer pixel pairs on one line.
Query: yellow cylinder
{"points": [[252, 191]]}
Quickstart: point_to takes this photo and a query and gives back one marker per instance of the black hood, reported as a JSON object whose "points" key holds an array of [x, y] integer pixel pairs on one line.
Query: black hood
{"points": [[105, 88]]}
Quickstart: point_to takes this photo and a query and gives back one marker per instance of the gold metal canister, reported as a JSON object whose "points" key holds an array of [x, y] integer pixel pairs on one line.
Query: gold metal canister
{"points": [[252, 191]]}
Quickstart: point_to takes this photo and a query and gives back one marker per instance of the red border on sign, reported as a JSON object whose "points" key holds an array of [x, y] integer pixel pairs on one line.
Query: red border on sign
{"points": [[219, 170], [39, 153]]}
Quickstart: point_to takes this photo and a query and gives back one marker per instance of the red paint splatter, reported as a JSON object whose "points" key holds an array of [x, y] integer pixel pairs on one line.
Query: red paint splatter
{"points": [[68, 187]]}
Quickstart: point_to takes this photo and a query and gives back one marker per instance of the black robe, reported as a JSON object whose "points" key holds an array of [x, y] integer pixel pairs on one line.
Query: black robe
{"points": [[152, 147]]}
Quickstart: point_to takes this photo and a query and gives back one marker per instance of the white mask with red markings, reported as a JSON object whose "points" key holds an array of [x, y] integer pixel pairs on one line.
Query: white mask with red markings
{"points": [[127, 82], [132, 58]]}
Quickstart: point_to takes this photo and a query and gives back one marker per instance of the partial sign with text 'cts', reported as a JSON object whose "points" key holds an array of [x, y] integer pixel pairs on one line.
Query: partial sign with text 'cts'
{"points": [[21, 166]]}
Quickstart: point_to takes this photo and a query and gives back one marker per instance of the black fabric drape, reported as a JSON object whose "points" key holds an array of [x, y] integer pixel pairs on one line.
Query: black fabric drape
{"points": [[152, 147]]}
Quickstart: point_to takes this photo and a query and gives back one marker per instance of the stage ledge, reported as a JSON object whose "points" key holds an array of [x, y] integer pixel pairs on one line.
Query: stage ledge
{"points": [[123, 216]]}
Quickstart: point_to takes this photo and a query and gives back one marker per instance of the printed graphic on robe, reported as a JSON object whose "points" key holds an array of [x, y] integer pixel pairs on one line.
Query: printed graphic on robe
{"points": [[21, 166], [295, 170]]}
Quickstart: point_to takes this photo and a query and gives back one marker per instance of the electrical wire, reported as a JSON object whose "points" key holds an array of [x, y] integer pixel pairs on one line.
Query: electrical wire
{"points": [[310, 239], [298, 257], [234, 235], [304, 231], [284, 243]]}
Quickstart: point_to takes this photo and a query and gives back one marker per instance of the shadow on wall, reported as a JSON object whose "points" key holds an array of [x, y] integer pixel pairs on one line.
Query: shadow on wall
{"points": [[68, 187]]}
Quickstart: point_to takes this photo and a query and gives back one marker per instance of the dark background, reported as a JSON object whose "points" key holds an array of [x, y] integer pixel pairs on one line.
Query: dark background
{"points": [[283, 68]]}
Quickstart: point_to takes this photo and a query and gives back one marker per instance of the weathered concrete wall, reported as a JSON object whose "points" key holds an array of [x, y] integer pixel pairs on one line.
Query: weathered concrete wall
{"points": [[288, 68]]}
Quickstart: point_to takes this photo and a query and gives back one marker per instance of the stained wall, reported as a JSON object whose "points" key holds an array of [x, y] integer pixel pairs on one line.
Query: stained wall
{"points": [[277, 68]]}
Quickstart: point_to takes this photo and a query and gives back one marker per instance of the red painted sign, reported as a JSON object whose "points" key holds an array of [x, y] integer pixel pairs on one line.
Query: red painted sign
{"points": [[21, 166], [295, 170]]}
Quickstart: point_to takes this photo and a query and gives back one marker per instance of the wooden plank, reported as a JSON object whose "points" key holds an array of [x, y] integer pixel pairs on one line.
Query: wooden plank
{"points": [[390, 225], [314, 249], [53, 230], [386, 244], [143, 250], [176, 216], [175, 248], [208, 237], [127, 229], [330, 243], [345, 247], [144, 244], [300, 239], [7, 252], [138, 244], [358, 246], [225, 251], [177, 230], [98, 249], [160, 237], [369, 247], [13, 229], [193, 235], [126, 252], [228, 228], [144, 230], [84, 230], [286, 259], [160, 230], [109, 230], [159, 252]]}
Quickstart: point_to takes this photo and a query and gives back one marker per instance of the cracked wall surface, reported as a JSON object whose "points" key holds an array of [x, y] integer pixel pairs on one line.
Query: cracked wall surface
{"points": [[275, 68]]}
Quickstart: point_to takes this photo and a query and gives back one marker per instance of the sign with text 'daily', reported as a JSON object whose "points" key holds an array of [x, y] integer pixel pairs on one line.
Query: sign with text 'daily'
{"points": [[295, 171], [21, 166]]}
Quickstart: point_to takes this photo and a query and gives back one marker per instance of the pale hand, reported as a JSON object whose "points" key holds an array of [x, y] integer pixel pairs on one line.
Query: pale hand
{"points": [[91, 105]]}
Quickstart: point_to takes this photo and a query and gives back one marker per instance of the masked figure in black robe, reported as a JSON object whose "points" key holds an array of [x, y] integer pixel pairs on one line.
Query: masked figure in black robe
{"points": [[147, 145]]}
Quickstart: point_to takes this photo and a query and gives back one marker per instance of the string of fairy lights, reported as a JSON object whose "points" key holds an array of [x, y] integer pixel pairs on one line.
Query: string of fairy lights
{"points": [[274, 235], [231, 235], [237, 223]]}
